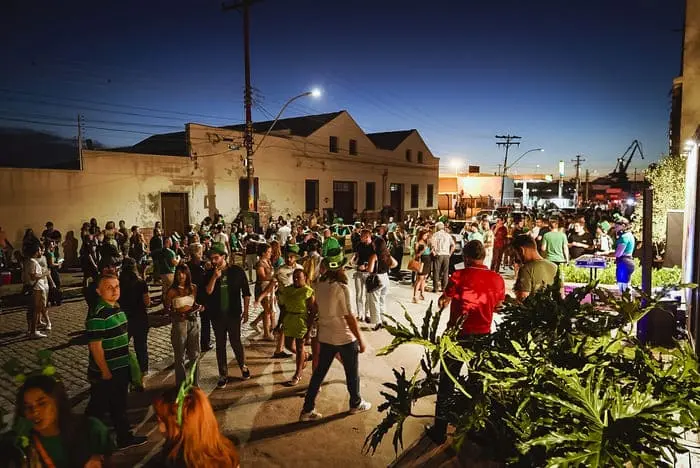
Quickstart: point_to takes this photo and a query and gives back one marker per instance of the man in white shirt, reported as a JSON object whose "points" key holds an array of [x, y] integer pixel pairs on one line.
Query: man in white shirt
{"points": [[441, 246], [284, 232], [221, 237], [36, 279]]}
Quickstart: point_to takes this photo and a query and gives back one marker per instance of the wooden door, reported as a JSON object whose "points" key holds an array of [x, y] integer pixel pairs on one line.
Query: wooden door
{"points": [[175, 212], [344, 199]]}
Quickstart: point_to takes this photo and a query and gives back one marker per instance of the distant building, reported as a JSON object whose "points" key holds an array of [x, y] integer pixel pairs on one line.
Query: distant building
{"points": [[474, 192], [318, 162], [685, 95]]}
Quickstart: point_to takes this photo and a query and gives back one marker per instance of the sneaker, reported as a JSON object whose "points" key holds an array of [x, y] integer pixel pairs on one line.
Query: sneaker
{"points": [[48, 325], [378, 326], [245, 373], [281, 355], [134, 441], [310, 416], [362, 407], [37, 334], [222, 382]]}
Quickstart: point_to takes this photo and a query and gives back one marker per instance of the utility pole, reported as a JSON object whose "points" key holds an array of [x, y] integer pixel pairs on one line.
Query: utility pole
{"points": [[506, 141], [579, 159], [244, 6], [80, 143], [585, 197]]}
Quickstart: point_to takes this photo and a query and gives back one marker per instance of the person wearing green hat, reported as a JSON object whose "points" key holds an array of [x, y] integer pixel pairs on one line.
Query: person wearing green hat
{"points": [[329, 242], [296, 302], [227, 287], [338, 333]]}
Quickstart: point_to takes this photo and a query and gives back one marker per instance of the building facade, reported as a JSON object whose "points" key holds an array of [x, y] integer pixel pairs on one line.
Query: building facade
{"points": [[685, 95], [323, 162]]}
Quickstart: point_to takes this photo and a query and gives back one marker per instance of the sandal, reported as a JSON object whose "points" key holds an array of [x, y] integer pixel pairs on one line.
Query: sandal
{"points": [[415, 301], [295, 381]]}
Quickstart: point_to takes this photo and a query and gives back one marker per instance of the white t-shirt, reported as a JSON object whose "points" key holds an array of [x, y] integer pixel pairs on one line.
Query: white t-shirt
{"points": [[283, 234], [223, 238], [334, 304], [36, 269]]}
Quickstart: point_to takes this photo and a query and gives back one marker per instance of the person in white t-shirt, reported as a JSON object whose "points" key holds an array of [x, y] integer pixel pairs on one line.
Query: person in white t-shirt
{"points": [[36, 280], [284, 232], [221, 236], [338, 333]]}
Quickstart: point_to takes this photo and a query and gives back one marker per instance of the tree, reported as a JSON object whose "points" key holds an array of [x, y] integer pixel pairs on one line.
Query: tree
{"points": [[668, 179]]}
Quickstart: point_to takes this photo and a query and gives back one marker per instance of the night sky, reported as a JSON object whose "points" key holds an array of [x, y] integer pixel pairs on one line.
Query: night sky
{"points": [[571, 76]]}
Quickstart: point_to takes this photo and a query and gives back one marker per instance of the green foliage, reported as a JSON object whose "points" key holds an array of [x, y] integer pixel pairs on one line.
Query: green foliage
{"points": [[668, 179], [559, 384], [660, 278]]}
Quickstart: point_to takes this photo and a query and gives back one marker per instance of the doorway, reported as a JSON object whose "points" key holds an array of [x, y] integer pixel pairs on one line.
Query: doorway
{"points": [[344, 200], [396, 199], [175, 212]]}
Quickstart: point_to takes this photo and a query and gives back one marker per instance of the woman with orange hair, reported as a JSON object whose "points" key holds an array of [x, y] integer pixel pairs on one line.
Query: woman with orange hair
{"points": [[193, 439]]}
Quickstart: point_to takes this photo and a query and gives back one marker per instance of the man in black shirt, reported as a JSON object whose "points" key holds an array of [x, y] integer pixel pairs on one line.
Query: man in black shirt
{"points": [[226, 285], [579, 241]]}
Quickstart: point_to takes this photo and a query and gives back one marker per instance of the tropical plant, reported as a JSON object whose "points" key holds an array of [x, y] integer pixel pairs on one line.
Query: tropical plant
{"points": [[660, 278], [667, 176], [560, 383]]}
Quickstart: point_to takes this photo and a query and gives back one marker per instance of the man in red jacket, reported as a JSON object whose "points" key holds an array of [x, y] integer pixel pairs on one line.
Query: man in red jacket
{"points": [[473, 294]]}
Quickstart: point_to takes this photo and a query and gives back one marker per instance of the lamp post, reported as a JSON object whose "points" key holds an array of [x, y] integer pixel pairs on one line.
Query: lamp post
{"points": [[505, 168], [316, 93]]}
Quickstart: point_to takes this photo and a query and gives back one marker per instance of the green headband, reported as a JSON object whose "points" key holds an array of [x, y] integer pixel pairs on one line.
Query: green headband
{"points": [[185, 389]]}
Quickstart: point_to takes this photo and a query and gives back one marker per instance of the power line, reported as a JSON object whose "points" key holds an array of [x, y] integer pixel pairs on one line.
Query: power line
{"points": [[506, 141]]}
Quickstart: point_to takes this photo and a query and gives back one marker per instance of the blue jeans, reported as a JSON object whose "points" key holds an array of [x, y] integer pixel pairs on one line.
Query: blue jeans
{"points": [[349, 354], [377, 300]]}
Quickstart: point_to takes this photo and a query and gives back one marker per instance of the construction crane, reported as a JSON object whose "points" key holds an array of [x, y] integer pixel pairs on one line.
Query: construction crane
{"points": [[623, 162]]}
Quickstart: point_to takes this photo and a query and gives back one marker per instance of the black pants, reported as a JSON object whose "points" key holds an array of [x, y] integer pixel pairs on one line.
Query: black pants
{"points": [[446, 386], [205, 330], [228, 325], [138, 331], [349, 354], [441, 271], [109, 396]]}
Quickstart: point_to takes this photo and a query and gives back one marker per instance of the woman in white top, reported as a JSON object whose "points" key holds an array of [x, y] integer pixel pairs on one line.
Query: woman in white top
{"points": [[184, 314], [338, 333]]}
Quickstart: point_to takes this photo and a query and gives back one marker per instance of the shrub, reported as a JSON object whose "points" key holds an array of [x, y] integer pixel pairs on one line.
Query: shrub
{"points": [[661, 278]]}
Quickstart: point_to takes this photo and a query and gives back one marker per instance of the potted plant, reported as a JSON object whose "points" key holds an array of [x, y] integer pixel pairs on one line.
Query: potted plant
{"points": [[553, 386]]}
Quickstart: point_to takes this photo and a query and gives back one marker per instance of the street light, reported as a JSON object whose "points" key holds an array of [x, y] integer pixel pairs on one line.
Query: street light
{"points": [[314, 93], [505, 168]]}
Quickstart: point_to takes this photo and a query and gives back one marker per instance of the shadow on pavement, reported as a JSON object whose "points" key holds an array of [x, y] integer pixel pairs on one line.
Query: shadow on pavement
{"points": [[281, 429]]}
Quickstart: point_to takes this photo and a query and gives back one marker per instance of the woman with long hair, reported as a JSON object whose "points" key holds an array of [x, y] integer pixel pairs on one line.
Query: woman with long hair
{"points": [[57, 437], [276, 258], [134, 301], [422, 254], [296, 303], [180, 302], [264, 273], [195, 441]]}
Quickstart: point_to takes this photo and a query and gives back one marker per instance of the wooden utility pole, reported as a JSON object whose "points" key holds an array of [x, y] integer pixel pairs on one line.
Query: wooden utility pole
{"points": [[244, 6], [506, 141], [585, 197]]}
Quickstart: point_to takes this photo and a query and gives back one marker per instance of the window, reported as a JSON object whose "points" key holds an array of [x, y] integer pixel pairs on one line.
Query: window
{"points": [[409, 156], [420, 157], [333, 144], [311, 196], [371, 195], [353, 147], [414, 195], [429, 197]]}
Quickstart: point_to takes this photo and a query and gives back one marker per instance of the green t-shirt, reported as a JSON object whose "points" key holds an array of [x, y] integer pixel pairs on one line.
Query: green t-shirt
{"points": [[329, 244], [556, 242], [166, 258], [294, 299], [534, 275], [223, 285], [108, 324], [95, 435]]}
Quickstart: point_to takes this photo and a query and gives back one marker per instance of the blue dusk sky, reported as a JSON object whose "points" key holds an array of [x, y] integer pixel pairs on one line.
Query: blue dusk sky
{"points": [[571, 76]]}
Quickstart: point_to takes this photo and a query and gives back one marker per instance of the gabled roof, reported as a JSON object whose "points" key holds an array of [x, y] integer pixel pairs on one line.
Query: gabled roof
{"points": [[168, 144], [389, 140], [299, 126]]}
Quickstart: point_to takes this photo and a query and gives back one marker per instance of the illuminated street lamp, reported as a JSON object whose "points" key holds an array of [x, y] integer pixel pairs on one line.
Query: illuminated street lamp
{"points": [[314, 93]]}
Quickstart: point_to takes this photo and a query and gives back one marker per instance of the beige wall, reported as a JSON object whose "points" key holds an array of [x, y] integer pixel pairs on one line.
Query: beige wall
{"points": [[114, 186], [690, 110]]}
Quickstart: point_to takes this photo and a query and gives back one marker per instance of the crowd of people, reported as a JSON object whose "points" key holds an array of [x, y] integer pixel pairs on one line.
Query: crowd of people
{"points": [[300, 292]]}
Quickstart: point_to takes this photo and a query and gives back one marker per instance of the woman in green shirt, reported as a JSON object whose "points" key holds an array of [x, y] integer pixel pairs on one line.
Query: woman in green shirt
{"points": [[296, 303], [54, 436]]}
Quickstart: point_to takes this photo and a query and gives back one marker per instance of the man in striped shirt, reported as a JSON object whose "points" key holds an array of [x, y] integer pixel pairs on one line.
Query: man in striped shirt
{"points": [[108, 368]]}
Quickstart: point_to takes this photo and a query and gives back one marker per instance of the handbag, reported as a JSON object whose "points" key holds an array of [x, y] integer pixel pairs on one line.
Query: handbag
{"points": [[372, 282], [415, 265]]}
